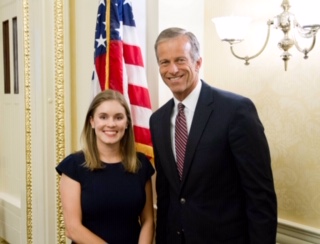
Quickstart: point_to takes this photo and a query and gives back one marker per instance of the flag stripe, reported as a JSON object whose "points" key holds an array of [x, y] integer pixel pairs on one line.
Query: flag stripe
{"points": [[140, 116], [136, 75], [142, 135], [139, 96], [115, 66], [130, 36], [101, 70], [132, 55], [96, 86]]}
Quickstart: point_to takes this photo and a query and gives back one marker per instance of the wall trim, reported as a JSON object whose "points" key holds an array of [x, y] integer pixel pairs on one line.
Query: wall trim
{"points": [[59, 108], [28, 118], [291, 232]]}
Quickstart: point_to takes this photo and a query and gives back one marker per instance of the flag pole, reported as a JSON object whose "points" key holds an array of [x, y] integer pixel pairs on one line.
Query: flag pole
{"points": [[108, 11]]}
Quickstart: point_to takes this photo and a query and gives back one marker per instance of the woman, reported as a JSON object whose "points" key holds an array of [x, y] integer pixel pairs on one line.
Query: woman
{"points": [[105, 188]]}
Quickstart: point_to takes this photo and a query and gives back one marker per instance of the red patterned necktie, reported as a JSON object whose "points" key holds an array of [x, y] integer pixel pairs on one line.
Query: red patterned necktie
{"points": [[181, 137]]}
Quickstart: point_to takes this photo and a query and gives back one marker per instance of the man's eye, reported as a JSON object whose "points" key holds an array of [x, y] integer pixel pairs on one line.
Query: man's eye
{"points": [[163, 63]]}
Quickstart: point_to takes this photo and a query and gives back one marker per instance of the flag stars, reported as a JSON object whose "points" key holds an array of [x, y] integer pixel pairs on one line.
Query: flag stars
{"points": [[102, 2], [127, 2], [98, 18], [101, 41], [120, 31]]}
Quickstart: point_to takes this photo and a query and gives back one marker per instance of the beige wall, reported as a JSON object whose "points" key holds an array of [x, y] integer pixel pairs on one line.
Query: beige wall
{"points": [[288, 102]]}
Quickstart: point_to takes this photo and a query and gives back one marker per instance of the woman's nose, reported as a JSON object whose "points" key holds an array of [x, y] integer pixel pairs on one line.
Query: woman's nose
{"points": [[111, 122]]}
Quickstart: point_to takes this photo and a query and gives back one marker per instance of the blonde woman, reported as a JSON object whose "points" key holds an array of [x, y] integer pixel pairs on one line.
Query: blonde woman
{"points": [[105, 188]]}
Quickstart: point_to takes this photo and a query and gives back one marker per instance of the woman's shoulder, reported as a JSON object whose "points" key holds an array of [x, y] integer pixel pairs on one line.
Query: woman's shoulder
{"points": [[71, 162], [146, 165], [141, 155], [143, 158], [76, 157]]}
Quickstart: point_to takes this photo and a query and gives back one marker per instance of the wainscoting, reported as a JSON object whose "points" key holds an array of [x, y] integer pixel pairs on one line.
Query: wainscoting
{"points": [[293, 233]]}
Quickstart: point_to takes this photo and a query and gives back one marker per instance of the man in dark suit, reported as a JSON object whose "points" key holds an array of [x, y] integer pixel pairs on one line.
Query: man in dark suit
{"points": [[225, 193]]}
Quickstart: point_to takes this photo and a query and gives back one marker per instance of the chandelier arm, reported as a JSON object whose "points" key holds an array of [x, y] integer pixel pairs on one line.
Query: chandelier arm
{"points": [[305, 51], [247, 58]]}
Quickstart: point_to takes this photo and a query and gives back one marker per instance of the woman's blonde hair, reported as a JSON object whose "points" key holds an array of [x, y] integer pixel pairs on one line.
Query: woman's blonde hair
{"points": [[89, 139]]}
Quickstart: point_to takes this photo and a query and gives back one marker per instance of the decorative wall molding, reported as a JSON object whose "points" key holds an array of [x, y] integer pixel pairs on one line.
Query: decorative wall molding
{"points": [[28, 115], [290, 232], [59, 107]]}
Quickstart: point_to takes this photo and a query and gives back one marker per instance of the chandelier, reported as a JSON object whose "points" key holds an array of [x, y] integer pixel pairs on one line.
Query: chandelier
{"points": [[234, 28]]}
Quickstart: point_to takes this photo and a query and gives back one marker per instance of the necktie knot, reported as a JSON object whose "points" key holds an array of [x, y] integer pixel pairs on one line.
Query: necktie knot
{"points": [[180, 107]]}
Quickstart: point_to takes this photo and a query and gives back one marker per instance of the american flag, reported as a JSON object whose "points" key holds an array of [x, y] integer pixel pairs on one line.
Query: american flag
{"points": [[118, 65]]}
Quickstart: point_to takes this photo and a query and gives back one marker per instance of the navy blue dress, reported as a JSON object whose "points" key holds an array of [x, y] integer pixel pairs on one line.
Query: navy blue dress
{"points": [[111, 199]]}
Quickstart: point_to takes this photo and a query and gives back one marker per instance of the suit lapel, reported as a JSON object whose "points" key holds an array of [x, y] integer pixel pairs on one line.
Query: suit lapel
{"points": [[170, 166], [203, 111]]}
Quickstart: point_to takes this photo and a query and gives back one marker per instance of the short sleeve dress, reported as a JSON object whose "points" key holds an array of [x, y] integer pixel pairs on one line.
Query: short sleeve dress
{"points": [[111, 198]]}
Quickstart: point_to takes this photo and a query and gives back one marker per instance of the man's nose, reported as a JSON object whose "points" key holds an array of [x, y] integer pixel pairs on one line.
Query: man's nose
{"points": [[173, 68]]}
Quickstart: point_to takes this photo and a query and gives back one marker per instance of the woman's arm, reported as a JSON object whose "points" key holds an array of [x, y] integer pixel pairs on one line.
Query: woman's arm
{"points": [[70, 191], [146, 217]]}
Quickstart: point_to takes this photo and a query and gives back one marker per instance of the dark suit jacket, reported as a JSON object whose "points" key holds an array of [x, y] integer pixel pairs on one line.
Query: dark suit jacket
{"points": [[227, 192]]}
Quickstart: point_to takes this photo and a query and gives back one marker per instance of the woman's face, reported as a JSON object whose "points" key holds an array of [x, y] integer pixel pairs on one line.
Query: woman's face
{"points": [[110, 123]]}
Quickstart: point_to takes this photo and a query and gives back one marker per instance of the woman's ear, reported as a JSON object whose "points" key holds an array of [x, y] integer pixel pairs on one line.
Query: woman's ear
{"points": [[91, 122]]}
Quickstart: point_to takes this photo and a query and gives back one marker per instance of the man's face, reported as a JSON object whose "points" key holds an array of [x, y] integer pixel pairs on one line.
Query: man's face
{"points": [[177, 69]]}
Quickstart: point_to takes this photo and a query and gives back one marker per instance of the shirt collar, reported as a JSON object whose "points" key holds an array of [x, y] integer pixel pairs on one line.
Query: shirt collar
{"points": [[190, 102]]}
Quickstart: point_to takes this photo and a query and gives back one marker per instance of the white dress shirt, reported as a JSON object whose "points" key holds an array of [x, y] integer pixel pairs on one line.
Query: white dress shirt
{"points": [[190, 103]]}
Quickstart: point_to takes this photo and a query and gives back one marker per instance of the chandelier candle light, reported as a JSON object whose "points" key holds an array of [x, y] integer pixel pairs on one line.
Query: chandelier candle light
{"points": [[234, 28]]}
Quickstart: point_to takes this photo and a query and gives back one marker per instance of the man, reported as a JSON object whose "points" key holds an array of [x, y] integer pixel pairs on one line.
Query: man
{"points": [[225, 192]]}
